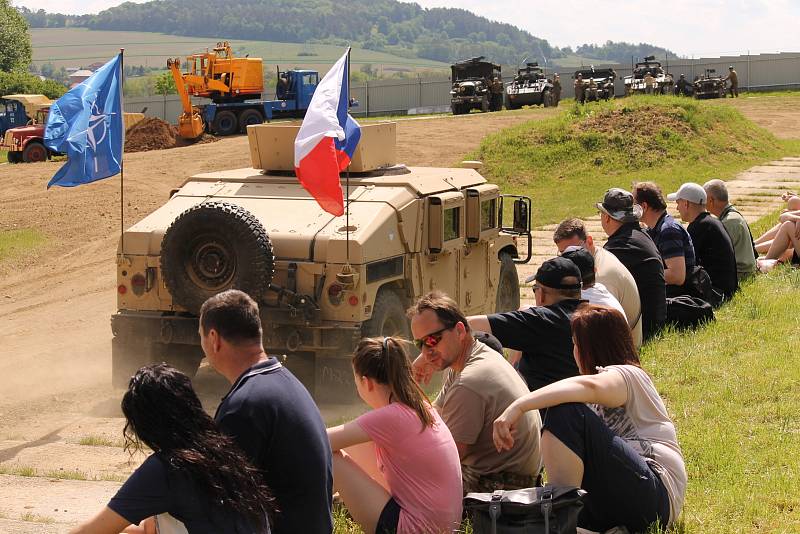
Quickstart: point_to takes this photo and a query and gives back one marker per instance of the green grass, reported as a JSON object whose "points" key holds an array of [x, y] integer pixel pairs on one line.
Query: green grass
{"points": [[99, 441], [15, 243], [565, 166], [3, 156]]}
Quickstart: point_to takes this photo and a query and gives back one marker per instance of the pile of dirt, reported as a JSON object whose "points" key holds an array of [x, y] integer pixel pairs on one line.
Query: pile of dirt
{"points": [[151, 133], [643, 121]]}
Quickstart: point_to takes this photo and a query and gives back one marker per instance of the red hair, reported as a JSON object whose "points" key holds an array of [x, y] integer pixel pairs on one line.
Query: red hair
{"points": [[602, 337]]}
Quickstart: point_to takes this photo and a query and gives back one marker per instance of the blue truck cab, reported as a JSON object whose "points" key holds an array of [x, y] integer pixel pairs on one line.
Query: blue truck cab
{"points": [[12, 114]]}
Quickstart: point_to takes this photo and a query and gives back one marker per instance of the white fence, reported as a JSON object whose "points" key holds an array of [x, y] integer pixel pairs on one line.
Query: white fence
{"points": [[760, 72]]}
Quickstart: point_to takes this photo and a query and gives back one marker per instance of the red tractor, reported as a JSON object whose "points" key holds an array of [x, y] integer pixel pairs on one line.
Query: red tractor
{"points": [[26, 143]]}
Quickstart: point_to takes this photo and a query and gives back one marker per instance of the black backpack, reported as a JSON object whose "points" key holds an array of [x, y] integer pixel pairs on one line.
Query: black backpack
{"points": [[686, 311]]}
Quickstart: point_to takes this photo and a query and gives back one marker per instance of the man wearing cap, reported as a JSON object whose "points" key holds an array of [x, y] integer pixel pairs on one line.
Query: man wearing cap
{"points": [[610, 271], [556, 89], [673, 242], [733, 78], [619, 217], [712, 244], [738, 229], [592, 291], [580, 89], [543, 332]]}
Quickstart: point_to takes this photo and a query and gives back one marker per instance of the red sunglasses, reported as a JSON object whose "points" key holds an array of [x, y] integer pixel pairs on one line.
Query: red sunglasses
{"points": [[432, 339]]}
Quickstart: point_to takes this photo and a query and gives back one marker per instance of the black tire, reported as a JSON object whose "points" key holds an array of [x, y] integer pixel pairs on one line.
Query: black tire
{"points": [[225, 123], [507, 285], [547, 99], [14, 157], [388, 317], [212, 247], [248, 117], [35, 152]]}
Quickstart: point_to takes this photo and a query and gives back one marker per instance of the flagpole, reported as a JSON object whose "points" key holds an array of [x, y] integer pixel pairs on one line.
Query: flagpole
{"points": [[122, 155], [347, 179]]}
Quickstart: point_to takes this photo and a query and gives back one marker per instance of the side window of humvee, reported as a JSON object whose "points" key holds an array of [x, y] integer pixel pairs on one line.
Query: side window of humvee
{"points": [[488, 214], [451, 223]]}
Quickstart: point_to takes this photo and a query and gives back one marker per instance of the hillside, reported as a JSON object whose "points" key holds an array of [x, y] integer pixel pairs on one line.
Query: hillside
{"points": [[440, 34]]}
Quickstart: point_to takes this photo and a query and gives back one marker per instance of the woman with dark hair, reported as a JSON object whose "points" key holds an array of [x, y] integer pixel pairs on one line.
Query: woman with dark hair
{"points": [[415, 484], [607, 430], [196, 481]]}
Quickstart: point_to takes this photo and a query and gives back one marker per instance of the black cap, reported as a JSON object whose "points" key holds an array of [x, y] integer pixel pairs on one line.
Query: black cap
{"points": [[619, 205], [553, 271], [582, 258]]}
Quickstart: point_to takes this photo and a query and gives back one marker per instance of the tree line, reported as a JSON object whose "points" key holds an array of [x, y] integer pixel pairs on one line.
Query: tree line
{"points": [[406, 29]]}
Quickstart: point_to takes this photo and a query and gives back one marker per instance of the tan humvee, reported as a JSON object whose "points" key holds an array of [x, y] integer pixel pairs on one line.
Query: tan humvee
{"points": [[411, 230]]}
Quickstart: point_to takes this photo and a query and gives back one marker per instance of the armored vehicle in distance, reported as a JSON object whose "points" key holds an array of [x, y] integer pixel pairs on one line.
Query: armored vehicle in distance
{"points": [[321, 284], [472, 80], [530, 87], [709, 85], [662, 81], [598, 84]]}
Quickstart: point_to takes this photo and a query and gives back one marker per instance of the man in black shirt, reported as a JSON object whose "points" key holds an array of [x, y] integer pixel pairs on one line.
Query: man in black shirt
{"points": [[270, 415], [712, 245], [619, 216], [543, 332]]}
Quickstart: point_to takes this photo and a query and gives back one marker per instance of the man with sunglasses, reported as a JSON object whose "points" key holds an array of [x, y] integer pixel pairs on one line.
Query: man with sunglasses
{"points": [[479, 384], [542, 332]]}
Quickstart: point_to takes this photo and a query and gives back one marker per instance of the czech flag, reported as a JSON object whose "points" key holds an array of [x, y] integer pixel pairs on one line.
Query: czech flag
{"points": [[327, 139]]}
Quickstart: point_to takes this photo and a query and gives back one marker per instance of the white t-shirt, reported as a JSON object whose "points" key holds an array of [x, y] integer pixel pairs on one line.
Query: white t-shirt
{"points": [[599, 294], [644, 424]]}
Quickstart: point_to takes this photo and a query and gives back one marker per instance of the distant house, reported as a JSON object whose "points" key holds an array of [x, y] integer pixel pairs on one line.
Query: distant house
{"points": [[78, 76], [96, 65]]}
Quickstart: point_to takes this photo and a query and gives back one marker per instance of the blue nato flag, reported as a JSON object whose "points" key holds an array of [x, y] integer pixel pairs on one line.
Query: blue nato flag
{"points": [[87, 125]]}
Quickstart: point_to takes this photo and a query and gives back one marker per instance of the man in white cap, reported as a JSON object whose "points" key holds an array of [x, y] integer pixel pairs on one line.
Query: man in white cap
{"points": [[712, 245]]}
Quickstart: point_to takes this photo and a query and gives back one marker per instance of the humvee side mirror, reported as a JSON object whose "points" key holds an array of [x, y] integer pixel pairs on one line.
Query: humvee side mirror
{"points": [[520, 216]]}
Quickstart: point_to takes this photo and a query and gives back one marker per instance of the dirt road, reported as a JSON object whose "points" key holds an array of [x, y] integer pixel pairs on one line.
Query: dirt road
{"points": [[59, 418]]}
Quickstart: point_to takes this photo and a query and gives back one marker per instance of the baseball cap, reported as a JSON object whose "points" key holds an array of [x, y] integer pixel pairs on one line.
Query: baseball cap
{"points": [[582, 258], [554, 270], [689, 191], [619, 205]]}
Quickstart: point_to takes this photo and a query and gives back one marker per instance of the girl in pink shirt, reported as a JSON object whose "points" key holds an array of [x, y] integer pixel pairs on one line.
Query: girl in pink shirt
{"points": [[410, 480]]}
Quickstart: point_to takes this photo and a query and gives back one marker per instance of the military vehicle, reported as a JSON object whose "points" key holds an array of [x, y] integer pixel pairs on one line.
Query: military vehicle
{"points": [[598, 84], [321, 284], [709, 85], [472, 79], [662, 81], [530, 87]]}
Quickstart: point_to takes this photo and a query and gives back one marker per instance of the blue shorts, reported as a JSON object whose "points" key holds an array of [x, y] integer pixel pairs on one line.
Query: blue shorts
{"points": [[622, 488]]}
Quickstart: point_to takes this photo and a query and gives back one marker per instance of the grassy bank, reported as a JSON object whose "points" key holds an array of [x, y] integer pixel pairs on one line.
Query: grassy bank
{"points": [[14, 243], [567, 162]]}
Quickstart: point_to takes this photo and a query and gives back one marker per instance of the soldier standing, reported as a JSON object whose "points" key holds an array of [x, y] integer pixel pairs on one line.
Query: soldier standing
{"points": [[497, 94], [649, 83], [734, 79], [682, 86], [580, 90], [556, 89]]}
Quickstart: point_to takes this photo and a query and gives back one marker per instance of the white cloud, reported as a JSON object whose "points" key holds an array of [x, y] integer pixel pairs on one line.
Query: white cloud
{"points": [[689, 27]]}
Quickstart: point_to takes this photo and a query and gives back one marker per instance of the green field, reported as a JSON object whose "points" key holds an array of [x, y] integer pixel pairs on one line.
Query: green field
{"points": [[76, 47], [565, 163], [15, 243]]}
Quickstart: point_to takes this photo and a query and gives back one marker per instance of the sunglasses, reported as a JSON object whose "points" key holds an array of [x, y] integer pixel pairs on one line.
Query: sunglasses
{"points": [[432, 339]]}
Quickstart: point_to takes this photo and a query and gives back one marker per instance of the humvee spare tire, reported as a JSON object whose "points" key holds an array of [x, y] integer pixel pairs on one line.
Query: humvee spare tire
{"points": [[215, 246]]}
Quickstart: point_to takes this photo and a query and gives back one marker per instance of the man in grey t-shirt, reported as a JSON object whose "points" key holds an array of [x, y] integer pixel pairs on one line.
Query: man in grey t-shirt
{"points": [[479, 384]]}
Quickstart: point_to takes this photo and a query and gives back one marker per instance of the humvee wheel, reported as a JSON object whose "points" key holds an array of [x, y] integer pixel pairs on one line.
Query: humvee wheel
{"points": [[128, 356], [14, 157], [388, 317], [225, 123], [547, 99], [507, 285], [212, 247]]}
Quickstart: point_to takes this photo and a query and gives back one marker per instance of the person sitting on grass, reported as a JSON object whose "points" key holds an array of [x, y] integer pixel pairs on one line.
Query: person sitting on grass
{"points": [[607, 431], [410, 480], [196, 481], [784, 249]]}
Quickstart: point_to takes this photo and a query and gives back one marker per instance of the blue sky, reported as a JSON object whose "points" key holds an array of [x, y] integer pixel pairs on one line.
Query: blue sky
{"points": [[689, 27]]}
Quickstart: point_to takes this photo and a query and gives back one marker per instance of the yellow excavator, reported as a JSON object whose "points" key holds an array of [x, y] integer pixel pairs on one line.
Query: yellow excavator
{"points": [[228, 81]]}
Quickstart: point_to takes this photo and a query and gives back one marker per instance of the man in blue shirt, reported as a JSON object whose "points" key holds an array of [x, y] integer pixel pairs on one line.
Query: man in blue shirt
{"points": [[270, 415], [673, 242]]}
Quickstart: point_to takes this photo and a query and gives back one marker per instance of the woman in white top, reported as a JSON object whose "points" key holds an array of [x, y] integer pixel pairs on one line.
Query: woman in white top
{"points": [[607, 430]]}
